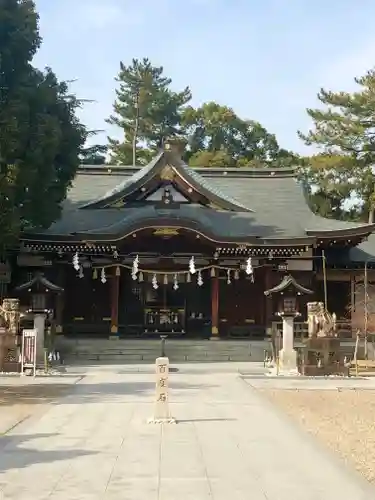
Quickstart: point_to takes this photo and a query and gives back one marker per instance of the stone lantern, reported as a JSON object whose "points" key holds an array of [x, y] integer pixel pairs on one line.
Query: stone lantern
{"points": [[41, 294], [287, 293]]}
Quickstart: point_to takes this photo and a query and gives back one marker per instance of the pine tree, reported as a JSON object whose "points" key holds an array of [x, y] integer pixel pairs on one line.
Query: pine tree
{"points": [[146, 110], [345, 132]]}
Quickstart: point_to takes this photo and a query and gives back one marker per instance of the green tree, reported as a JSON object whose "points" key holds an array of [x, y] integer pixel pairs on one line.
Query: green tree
{"points": [[40, 135], [327, 186], [345, 131], [219, 158], [94, 154], [216, 133], [146, 109]]}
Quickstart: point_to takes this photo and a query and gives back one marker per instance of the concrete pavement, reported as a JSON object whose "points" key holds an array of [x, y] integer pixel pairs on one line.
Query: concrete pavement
{"points": [[229, 444]]}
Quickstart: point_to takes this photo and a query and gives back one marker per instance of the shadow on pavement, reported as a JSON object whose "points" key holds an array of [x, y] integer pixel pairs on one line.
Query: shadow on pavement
{"points": [[109, 391], [37, 394], [14, 457], [192, 420], [32, 394]]}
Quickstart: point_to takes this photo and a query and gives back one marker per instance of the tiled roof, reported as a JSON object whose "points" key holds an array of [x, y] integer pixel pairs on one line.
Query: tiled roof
{"points": [[364, 252], [275, 198]]}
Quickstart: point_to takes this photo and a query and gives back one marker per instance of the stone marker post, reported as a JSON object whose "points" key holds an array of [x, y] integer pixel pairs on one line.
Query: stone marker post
{"points": [[288, 355], [161, 409]]}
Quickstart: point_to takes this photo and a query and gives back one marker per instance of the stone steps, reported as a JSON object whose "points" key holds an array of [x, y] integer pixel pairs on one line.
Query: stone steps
{"points": [[129, 351]]}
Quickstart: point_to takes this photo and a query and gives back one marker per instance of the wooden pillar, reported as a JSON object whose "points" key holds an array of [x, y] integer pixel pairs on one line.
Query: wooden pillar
{"points": [[215, 307], [268, 302], [60, 300], [115, 288], [352, 303]]}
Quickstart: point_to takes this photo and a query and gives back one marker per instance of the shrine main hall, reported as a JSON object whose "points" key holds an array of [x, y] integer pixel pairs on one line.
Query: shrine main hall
{"points": [[165, 248]]}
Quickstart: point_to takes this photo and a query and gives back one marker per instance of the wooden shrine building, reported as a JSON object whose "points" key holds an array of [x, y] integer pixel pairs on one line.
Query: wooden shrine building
{"points": [[170, 249]]}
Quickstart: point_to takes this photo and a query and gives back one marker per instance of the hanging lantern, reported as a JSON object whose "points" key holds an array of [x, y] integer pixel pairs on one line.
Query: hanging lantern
{"points": [[175, 282], [192, 269], [200, 279], [249, 266], [188, 278], [140, 277], [118, 271], [76, 261], [103, 278], [94, 274], [213, 273], [165, 279], [155, 285], [228, 277], [80, 274], [236, 274]]}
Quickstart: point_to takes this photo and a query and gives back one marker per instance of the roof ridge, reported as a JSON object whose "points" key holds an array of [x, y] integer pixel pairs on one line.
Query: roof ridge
{"points": [[237, 171]]}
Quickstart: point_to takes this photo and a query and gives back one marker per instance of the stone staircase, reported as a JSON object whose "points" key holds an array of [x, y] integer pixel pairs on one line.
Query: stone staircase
{"points": [[80, 351]]}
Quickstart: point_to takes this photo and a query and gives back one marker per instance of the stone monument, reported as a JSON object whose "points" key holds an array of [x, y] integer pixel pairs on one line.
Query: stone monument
{"points": [[288, 355], [161, 409]]}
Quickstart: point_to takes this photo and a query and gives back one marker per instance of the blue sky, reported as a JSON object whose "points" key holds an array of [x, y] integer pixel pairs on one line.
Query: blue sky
{"points": [[265, 58]]}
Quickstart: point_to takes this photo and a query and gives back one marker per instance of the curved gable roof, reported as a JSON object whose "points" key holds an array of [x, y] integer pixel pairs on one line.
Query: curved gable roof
{"points": [[154, 169]]}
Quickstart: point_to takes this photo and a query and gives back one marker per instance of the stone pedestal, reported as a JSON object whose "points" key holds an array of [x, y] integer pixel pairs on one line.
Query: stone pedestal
{"points": [[288, 355], [161, 408], [39, 326]]}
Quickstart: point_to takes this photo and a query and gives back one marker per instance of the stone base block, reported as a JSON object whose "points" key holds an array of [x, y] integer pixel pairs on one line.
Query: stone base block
{"points": [[288, 361], [169, 420]]}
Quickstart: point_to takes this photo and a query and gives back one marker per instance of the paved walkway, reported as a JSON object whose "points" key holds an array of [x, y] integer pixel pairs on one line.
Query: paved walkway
{"points": [[229, 444]]}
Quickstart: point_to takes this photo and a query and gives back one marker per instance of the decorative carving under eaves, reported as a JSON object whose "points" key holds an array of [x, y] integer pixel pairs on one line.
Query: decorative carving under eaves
{"points": [[118, 204], [167, 173], [166, 231]]}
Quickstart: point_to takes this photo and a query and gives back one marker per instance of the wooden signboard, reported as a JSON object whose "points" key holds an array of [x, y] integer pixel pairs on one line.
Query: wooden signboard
{"points": [[28, 352]]}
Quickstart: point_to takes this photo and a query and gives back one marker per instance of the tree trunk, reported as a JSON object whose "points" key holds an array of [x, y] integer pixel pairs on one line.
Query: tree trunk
{"points": [[371, 215], [136, 127]]}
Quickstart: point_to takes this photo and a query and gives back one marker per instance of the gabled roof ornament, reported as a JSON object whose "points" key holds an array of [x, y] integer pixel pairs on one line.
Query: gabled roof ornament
{"points": [[175, 145], [39, 283], [288, 283]]}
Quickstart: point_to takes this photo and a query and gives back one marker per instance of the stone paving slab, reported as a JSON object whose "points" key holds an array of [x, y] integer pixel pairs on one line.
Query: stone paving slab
{"points": [[228, 444]]}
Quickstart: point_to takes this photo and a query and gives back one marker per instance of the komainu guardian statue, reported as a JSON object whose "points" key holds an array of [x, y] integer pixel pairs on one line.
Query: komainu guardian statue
{"points": [[9, 324], [322, 353], [321, 323]]}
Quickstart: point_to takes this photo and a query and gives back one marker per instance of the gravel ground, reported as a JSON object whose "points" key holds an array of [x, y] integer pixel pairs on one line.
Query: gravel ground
{"points": [[343, 419]]}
